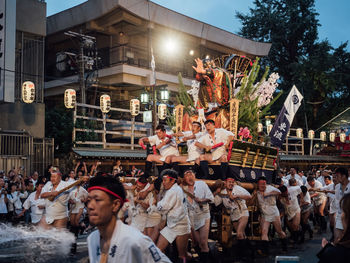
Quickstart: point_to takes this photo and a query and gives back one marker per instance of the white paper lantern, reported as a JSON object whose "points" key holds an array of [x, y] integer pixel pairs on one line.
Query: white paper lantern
{"points": [[311, 134], [332, 136], [323, 136], [300, 133], [162, 111], [70, 98], [260, 127], [105, 103], [134, 107], [343, 137], [28, 92], [269, 128]]}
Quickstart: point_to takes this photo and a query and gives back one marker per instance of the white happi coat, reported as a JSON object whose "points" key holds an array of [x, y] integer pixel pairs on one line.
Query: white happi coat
{"points": [[339, 193], [321, 197], [76, 195], [267, 205], [198, 215], [292, 207], [33, 204], [237, 208], [221, 135], [58, 209], [166, 150], [192, 150], [128, 245]]}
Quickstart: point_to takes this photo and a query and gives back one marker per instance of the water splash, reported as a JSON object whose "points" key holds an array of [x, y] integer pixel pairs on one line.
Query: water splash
{"points": [[29, 244]]}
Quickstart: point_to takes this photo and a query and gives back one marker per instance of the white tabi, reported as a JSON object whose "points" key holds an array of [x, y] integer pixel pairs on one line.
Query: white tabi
{"points": [[33, 204], [174, 206], [199, 214], [221, 135], [58, 209], [268, 206], [292, 206], [320, 197], [166, 150], [192, 150], [339, 193], [76, 195], [128, 245], [236, 208]]}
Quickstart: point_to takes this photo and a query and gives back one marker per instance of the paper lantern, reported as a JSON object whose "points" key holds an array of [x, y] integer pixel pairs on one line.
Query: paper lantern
{"points": [[269, 128], [28, 92], [311, 134], [134, 107], [343, 137], [300, 133], [260, 127], [70, 98], [323, 136], [332, 136], [162, 111], [105, 103]]}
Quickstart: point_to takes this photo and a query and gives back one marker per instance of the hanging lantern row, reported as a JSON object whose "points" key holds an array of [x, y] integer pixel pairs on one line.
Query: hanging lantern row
{"points": [[311, 134], [323, 136], [300, 133], [343, 137], [70, 98], [28, 92]]}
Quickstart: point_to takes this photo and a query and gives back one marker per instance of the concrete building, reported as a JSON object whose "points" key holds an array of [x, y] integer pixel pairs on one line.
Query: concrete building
{"points": [[125, 31]]}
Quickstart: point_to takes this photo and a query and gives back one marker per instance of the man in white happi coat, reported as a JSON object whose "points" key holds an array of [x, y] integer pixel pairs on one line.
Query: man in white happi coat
{"points": [[267, 195], [190, 137], [207, 141], [319, 200], [114, 241], [289, 199], [293, 175], [56, 211], [198, 197], [165, 144], [173, 205], [342, 188], [234, 197]]}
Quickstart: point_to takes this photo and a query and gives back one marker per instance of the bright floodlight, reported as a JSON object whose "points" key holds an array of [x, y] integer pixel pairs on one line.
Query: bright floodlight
{"points": [[170, 45], [191, 52], [207, 57]]}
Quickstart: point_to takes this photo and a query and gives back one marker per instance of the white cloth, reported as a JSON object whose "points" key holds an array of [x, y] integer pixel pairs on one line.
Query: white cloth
{"points": [[339, 193], [237, 208], [71, 180], [58, 209], [33, 204], [320, 197], [331, 198], [76, 195], [292, 206], [14, 201], [192, 150], [296, 177], [321, 180], [127, 245], [199, 214], [166, 150], [221, 135], [267, 205], [3, 207]]}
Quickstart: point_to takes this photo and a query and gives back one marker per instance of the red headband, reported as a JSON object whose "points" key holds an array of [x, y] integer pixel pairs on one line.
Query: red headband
{"points": [[107, 191], [138, 181], [229, 178], [170, 177]]}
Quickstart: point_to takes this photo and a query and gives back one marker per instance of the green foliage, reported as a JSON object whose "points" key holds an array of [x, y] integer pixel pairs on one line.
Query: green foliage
{"points": [[183, 97], [89, 125]]}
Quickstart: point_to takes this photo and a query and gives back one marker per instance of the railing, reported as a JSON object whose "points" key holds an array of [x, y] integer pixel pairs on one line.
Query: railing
{"points": [[20, 149], [92, 128], [293, 145]]}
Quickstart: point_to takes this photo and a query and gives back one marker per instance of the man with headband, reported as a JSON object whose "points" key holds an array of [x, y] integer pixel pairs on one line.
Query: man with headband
{"points": [[207, 141], [165, 145], [267, 195], [198, 198], [177, 222], [114, 241], [234, 197]]}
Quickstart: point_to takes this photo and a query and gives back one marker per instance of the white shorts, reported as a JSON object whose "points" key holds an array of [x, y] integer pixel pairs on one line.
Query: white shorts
{"points": [[338, 223], [319, 201], [139, 221], [182, 228], [217, 153], [198, 220], [291, 212], [236, 214], [271, 218], [153, 220]]}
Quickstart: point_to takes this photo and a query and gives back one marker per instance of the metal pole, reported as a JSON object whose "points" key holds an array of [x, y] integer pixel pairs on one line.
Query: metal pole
{"points": [[132, 133], [104, 131], [81, 76]]}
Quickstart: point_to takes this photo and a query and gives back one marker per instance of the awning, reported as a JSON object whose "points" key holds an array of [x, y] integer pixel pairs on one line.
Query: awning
{"points": [[315, 159], [106, 153]]}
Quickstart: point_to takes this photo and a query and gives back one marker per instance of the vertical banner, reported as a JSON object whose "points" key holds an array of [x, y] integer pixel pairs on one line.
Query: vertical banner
{"points": [[285, 118], [234, 107], [179, 113]]}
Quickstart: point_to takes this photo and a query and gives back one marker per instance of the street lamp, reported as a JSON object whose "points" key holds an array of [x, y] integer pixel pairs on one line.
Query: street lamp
{"points": [[144, 97], [164, 94]]}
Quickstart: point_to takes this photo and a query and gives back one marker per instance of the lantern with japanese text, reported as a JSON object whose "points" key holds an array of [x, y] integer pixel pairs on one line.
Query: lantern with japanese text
{"points": [[134, 107], [323, 136], [105, 103], [162, 111], [28, 92], [70, 98], [300, 133], [311, 134], [343, 137], [260, 127], [332, 137]]}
